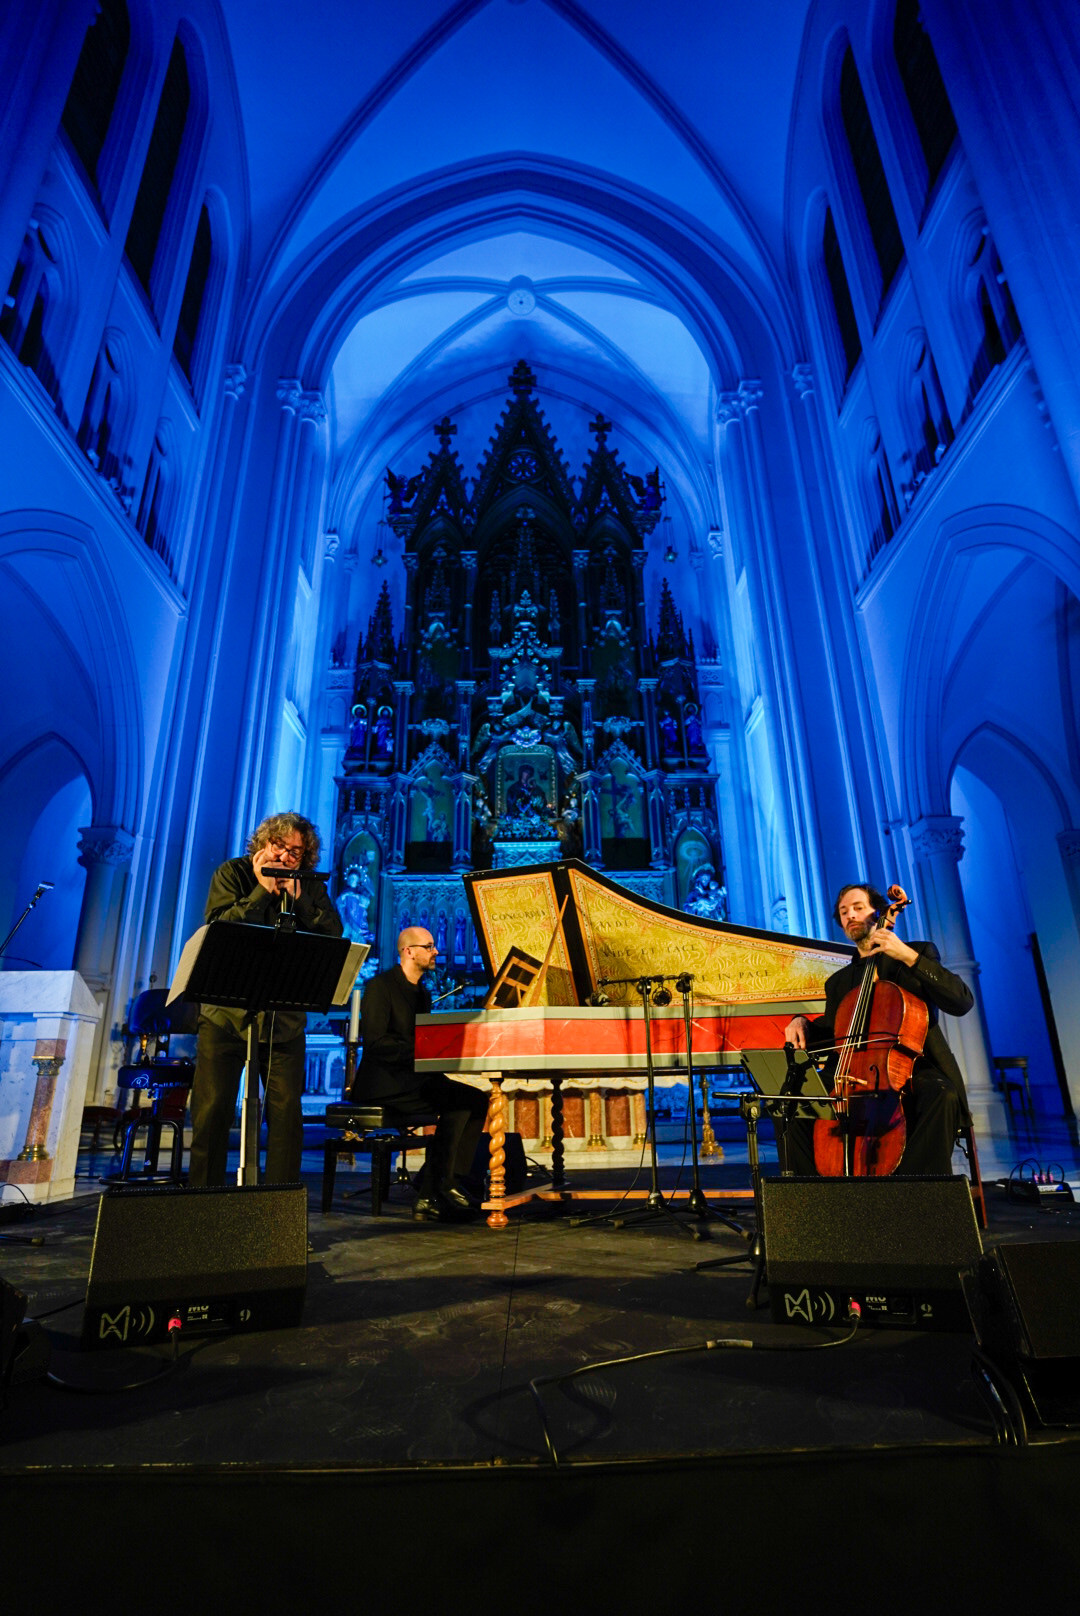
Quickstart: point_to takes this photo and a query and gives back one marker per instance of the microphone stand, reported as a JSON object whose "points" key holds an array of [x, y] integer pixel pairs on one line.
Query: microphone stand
{"points": [[43, 887], [655, 1206]]}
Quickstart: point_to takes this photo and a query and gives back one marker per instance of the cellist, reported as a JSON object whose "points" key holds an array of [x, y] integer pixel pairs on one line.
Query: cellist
{"points": [[934, 1101]]}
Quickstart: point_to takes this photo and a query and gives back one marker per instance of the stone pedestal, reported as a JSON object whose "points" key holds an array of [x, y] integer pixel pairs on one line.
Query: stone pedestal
{"points": [[47, 1024]]}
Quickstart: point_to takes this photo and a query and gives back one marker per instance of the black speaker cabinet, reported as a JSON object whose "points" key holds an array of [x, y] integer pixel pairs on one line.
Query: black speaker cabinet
{"points": [[220, 1259], [897, 1246], [1025, 1308]]}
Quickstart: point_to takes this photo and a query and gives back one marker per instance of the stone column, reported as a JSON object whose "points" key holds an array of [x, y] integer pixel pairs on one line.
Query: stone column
{"points": [[468, 561], [647, 690], [411, 563], [462, 787], [588, 733], [581, 575], [654, 786], [105, 852], [403, 689], [589, 782], [1069, 846], [937, 843], [466, 690]]}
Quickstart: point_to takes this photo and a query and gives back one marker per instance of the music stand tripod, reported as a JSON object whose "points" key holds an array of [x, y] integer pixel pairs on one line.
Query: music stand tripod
{"points": [[752, 1107], [656, 1207], [258, 969]]}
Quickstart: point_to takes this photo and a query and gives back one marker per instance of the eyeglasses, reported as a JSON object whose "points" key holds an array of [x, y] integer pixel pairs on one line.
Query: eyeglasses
{"points": [[424, 948], [288, 855]]}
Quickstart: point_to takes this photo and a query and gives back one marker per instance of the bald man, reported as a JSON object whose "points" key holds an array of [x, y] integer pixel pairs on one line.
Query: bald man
{"points": [[387, 1074]]}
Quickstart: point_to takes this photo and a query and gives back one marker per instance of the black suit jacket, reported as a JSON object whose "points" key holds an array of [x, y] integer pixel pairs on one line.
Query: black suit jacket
{"points": [[927, 979], [388, 1012]]}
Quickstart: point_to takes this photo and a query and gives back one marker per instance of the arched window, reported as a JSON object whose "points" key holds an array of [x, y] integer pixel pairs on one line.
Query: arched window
{"points": [[103, 429], [155, 507], [89, 107], [924, 87], [187, 329], [929, 423], [843, 307], [159, 169], [30, 317], [879, 494], [870, 173], [986, 315]]}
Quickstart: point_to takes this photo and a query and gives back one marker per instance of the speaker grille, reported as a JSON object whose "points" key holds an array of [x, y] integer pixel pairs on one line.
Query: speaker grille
{"points": [[221, 1258]]}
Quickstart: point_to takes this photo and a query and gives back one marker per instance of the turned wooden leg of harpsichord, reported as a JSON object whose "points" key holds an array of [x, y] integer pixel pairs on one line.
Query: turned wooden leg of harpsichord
{"points": [[497, 1218], [558, 1174]]}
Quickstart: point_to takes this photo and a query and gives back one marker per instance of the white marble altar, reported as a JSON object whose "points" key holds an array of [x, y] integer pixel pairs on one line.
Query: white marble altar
{"points": [[47, 1025]]}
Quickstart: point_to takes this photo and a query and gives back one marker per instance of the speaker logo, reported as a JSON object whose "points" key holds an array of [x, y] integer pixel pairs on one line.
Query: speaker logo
{"points": [[815, 1307], [125, 1323]]}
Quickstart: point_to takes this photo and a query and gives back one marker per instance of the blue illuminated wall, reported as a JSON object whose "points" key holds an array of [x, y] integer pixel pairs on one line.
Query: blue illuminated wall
{"points": [[848, 336]]}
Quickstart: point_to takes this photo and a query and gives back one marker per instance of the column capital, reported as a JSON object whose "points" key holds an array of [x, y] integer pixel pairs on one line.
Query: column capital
{"points": [[331, 544], [1069, 843], [469, 559], [937, 836], [105, 844], [289, 394], [312, 406], [802, 379], [234, 380], [411, 563]]}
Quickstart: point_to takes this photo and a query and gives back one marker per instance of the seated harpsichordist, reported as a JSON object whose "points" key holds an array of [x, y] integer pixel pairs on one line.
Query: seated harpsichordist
{"points": [[386, 1074]]}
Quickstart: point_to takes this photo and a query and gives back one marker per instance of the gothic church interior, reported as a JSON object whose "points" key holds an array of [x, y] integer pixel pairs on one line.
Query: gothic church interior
{"points": [[503, 429]]}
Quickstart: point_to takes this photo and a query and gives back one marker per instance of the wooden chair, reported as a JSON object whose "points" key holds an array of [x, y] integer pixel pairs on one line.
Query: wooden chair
{"points": [[164, 1077], [377, 1129], [965, 1138], [1011, 1086]]}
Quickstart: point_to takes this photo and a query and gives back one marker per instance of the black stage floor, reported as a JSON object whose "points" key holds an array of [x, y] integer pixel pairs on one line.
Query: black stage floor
{"points": [[408, 1380]]}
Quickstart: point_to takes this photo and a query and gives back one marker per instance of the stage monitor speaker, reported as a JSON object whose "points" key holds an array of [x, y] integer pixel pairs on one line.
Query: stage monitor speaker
{"points": [[897, 1246], [1025, 1307], [219, 1259]]}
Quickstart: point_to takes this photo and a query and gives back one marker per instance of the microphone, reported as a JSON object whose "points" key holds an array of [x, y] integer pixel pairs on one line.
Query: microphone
{"points": [[282, 872], [662, 996]]}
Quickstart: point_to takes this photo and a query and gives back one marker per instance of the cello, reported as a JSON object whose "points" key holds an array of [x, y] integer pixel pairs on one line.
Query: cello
{"points": [[880, 1032]]}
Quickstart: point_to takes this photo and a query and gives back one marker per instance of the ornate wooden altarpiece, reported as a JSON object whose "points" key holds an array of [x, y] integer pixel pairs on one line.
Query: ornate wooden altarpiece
{"points": [[524, 710]]}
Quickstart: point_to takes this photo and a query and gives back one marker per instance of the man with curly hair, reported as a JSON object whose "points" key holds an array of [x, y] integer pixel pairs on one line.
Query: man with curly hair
{"points": [[240, 890]]}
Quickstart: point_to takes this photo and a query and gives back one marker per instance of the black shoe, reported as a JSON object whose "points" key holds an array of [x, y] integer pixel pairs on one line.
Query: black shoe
{"points": [[459, 1200], [426, 1210]]}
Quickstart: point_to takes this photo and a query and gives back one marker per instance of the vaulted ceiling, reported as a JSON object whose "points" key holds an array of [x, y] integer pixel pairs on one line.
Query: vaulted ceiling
{"points": [[438, 189]]}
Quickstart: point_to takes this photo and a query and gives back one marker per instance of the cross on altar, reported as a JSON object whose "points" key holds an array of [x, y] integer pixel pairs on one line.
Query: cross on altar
{"points": [[445, 430]]}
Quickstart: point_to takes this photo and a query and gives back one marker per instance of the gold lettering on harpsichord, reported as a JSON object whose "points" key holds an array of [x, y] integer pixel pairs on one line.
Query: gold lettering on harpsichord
{"points": [[522, 912], [623, 938]]}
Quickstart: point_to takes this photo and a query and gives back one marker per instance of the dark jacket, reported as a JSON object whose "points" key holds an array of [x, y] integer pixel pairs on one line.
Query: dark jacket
{"points": [[236, 894], [927, 979], [388, 1012]]}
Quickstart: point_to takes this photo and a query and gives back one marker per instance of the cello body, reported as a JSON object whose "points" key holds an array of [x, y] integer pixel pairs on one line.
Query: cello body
{"points": [[867, 1136]]}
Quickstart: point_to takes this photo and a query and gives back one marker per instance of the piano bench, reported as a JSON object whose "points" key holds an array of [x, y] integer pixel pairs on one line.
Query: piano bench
{"points": [[377, 1129]]}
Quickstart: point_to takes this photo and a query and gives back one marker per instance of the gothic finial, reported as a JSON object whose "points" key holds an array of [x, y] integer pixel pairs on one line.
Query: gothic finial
{"points": [[522, 379], [444, 431], [601, 426]]}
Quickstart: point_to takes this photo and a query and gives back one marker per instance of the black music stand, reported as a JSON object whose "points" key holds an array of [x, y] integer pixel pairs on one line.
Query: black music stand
{"points": [[263, 968], [783, 1087]]}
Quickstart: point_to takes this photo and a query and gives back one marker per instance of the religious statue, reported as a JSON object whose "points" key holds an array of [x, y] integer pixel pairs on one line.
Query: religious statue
{"points": [[525, 798], [706, 896], [354, 904]]}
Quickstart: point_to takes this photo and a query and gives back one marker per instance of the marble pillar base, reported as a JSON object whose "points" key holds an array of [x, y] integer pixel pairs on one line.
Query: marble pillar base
{"points": [[47, 1025]]}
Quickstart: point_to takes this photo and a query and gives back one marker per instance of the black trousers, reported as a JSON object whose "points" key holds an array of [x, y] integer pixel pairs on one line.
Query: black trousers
{"points": [[461, 1110], [932, 1112], [219, 1060]]}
